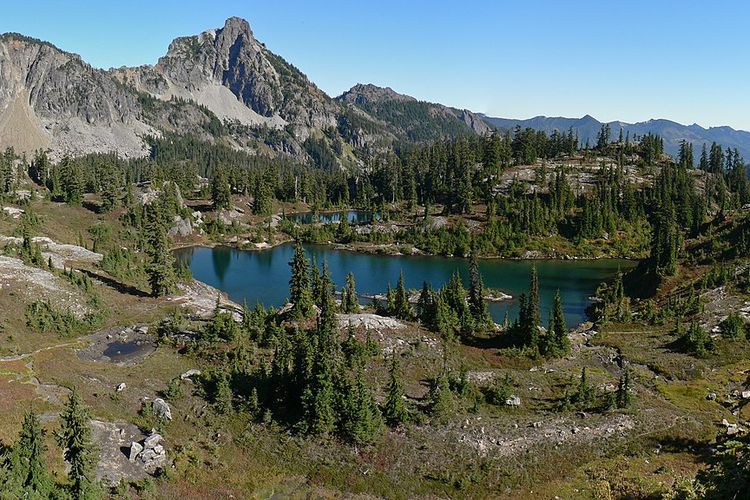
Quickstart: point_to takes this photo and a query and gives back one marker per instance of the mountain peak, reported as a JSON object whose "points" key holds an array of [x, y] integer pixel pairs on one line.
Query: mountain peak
{"points": [[234, 27], [367, 93]]}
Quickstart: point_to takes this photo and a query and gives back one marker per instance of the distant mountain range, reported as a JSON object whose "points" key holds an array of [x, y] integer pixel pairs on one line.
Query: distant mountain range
{"points": [[225, 86], [672, 132]]}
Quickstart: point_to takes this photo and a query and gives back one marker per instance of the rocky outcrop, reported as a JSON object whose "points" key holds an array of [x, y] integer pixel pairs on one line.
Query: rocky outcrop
{"points": [[52, 99], [149, 453]]}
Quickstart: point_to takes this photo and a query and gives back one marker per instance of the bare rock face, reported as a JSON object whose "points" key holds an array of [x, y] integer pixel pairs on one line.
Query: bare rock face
{"points": [[51, 98]]}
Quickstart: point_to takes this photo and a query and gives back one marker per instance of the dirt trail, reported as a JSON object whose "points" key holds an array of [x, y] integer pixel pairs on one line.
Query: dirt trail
{"points": [[18, 357]]}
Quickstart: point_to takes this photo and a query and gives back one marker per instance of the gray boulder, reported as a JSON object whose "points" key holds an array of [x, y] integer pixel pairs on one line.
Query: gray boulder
{"points": [[161, 409], [135, 450]]}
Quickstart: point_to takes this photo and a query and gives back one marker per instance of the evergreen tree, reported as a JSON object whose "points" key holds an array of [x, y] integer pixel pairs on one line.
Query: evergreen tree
{"points": [[319, 416], [426, 306], [349, 301], [394, 411], [440, 398], [75, 440], [666, 242], [402, 308], [27, 468], [223, 395], [477, 304], [160, 269], [558, 331], [624, 397], [454, 313], [585, 394], [262, 196], [221, 193], [299, 284], [362, 423]]}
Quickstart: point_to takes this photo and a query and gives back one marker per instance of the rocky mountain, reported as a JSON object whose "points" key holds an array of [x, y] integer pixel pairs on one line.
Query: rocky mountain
{"points": [[411, 119], [673, 133], [50, 99], [224, 85], [232, 74]]}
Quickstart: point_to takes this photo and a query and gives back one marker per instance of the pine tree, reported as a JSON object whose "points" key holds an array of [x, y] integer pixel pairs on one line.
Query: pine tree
{"points": [[75, 440], [402, 308], [318, 399], [299, 284], [262, 196], [666, 242], [27, 460], [585, 393], [223, 395], [440, 398], [160, 269], [427, 307], [362, 422], [624, 398], [394, 411], [534, 301], [477, 304], [349, 301], [221, 193], [558, 331]]}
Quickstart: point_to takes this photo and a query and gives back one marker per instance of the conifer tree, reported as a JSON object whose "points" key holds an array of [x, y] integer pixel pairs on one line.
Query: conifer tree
{"points": [[534, 302], [27, 468], [262, 196], [221, 193], [440, 398], [666, 242], [624, 398], [477, 303], [160, 269], [402, 307], [319, 416], [558, 331], [362, 423], [78, 450], [349, 301], [394, 411], [585, 393], [427, 307], [223, 394], [300, 294]]}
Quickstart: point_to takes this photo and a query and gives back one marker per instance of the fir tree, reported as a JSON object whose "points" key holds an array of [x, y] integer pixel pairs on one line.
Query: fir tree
{"points": [[402, 308], [349, 301], [558, 343], [75, 440], [624, 397], [299, 284], [394, 411], [440, 398], [221, 193], [477, 304], [362, 422], [160, 269], [26, 461]]}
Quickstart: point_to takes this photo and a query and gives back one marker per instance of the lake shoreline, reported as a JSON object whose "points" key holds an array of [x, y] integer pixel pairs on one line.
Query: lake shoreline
{"points": [[391, 250], [257, 276]]}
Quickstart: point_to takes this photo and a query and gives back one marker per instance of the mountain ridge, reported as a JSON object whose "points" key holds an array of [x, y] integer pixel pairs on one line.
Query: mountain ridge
{"points": [[672, 132], [224, 85]]}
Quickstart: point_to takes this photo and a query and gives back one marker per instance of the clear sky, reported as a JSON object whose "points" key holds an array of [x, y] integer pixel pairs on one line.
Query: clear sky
{"points": [[627, 60]]}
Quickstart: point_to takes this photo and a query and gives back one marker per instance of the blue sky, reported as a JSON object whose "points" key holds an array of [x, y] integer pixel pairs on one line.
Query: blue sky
{"points": [[629, 60]]}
